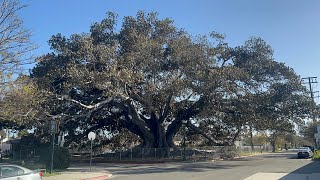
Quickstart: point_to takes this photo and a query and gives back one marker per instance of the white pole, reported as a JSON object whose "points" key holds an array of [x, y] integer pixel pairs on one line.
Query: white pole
{"points": [[91, 154]]}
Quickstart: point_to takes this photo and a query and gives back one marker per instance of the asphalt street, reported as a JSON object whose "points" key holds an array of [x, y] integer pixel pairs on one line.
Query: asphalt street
{"points": [[282, 163], [224, 170]]}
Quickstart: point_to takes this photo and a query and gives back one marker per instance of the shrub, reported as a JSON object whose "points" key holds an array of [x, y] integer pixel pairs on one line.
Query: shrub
{"points": [[61, 157], [316, 154]]}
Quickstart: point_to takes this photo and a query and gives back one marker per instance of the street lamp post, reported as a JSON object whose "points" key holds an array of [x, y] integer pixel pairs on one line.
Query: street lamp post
{"points": [[53, 131], [91, 136], [184, 122]]}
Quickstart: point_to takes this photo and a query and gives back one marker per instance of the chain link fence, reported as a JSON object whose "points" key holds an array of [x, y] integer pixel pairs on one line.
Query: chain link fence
{"points": [[25, 154], [170, 154], [150, 154]]}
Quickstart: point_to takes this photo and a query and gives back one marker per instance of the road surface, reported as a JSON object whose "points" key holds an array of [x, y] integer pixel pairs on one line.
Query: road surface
{"points": [[267, 166]]}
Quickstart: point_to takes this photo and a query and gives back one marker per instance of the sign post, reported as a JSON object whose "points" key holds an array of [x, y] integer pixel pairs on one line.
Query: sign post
{"points": [[53, 130], [91, 137]]}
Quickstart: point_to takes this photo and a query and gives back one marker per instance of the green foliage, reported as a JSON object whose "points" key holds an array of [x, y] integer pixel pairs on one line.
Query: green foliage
{"points": [[124, 139], [308, 130], [259, 139], [316, 155], [23, 133], [149, 76], [30, 142], [20, 106], [61, 157]]}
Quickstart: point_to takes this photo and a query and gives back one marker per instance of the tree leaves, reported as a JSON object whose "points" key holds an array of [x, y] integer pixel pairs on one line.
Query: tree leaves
{"points": [[157, 76]]}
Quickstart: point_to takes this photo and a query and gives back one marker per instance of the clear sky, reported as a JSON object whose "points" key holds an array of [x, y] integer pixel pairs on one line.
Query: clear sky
{"points": [[291, 27]]}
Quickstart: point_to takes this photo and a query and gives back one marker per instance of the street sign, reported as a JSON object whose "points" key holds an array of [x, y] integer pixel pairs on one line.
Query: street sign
{"points": [[53, 127], [92, 136]]}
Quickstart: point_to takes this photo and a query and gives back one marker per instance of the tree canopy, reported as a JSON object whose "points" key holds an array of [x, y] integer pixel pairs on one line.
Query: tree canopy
{"points": [[152, 78]]}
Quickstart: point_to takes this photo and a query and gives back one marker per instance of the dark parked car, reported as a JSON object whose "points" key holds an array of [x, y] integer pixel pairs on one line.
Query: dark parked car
{"points": [[14, 172]]}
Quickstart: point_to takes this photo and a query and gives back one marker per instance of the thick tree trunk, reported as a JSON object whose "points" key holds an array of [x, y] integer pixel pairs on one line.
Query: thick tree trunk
{"points": [[158, 132], [172, 129], [153, 135], [273, 146], [273, 142], [251, 139], [236, 135]]}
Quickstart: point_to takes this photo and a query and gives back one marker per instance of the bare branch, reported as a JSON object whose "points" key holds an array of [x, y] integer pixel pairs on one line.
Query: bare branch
{"points": [[108, 100]]}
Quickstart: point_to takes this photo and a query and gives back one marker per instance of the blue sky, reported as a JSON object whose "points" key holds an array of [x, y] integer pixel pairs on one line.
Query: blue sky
{"points": [[291, 27]]}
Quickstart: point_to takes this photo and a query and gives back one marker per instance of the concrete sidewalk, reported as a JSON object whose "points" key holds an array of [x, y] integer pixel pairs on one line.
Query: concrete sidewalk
{"points": [[283, 176], [80, 176]]}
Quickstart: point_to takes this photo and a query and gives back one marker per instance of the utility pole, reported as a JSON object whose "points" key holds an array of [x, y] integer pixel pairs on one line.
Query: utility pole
{"points": [[311, 80]]}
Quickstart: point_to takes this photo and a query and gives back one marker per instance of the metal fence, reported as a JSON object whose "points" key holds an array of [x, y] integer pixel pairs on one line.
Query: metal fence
{"points": [[161, 154], [25, 155], [150, 154]]}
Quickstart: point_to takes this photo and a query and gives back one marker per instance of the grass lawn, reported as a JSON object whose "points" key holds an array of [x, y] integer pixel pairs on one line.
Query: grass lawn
{"points": [[249, 153], [52, 174]]}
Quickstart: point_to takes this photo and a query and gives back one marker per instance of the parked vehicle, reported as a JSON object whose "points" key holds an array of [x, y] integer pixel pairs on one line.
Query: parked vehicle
{"points": [[14, 172], [311, 148], [305, 152]]}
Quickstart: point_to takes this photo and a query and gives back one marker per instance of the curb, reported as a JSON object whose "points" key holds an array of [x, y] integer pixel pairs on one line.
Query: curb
{"points": [[107, 176]]}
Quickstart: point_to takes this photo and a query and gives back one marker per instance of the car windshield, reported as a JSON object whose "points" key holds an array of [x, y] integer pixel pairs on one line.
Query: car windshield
{"points": [[303, 148]]}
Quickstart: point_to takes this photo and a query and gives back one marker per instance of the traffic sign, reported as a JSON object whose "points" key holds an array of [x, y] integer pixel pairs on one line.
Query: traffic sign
{"points": [[53, 127]]}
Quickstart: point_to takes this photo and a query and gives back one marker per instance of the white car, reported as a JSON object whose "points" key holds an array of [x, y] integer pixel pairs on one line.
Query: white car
{"points": [[14, 172], [304, 152]]}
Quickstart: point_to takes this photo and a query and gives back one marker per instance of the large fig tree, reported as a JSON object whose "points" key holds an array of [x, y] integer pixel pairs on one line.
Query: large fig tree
{"points": [[149, 77]]}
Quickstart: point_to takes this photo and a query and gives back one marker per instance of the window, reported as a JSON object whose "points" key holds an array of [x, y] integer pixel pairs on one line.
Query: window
{"points": [[7, 171]]}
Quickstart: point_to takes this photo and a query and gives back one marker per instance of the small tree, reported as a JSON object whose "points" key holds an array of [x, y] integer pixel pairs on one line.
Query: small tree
{"points": [[261, 139], [308, 130], [15, 52], [15, 44]]}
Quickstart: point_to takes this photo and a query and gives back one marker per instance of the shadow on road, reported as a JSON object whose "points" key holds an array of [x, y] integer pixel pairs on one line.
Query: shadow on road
{"points": [[310, 171], [122, 169], [289, 155], [179, 168]]}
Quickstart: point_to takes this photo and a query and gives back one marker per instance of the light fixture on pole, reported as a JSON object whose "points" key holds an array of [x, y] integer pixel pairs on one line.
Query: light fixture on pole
{"points": [[91, 137]]}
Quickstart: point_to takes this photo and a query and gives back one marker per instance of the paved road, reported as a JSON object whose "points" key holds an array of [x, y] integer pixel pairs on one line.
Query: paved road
{"points": [[280, 163]]}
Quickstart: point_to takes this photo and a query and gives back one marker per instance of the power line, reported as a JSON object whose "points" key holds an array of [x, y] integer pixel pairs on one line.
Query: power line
{"points": [[311, 80]]}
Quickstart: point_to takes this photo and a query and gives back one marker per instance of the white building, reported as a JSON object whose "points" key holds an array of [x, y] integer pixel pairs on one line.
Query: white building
{"points": [[317, 136], [5, 146]]}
